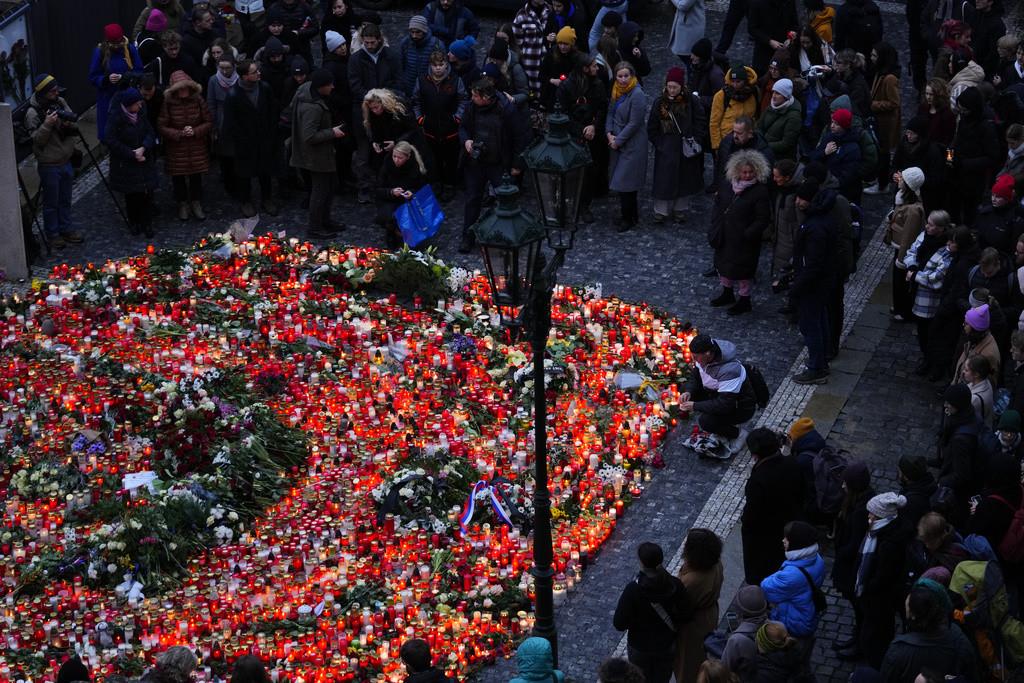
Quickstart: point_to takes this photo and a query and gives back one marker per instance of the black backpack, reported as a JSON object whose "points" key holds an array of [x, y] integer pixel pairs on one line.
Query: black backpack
{"points": [[757, 383], [22, 135]]}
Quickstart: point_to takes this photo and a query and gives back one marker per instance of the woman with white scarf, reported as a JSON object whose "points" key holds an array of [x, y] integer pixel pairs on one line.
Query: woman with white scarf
{"points": [[879, 587]]}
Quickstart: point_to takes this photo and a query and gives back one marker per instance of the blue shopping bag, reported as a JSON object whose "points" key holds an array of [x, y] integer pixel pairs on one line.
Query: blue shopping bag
{"points": [[420, 217]]}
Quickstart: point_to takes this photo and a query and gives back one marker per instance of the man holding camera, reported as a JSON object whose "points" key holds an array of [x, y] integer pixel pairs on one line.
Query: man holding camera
{"points": [[52, 126], [492, 138]]}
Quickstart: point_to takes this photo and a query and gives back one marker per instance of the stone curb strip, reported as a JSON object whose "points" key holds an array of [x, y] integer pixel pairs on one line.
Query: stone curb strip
{"points": [[722, 510]]}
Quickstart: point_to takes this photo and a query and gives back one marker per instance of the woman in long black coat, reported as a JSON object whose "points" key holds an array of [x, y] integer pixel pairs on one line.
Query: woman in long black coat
{"points": [[851, 526], [251, 118], [741, 213], [675, 116], [402, 173], [132, 143]]}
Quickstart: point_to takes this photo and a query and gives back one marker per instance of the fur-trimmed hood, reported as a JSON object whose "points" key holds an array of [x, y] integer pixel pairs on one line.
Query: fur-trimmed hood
{"points": [[180, 81]]}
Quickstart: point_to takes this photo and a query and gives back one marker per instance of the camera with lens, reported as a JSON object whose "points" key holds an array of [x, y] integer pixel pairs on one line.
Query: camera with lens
{"points": [[477, 150], [63, 114]]}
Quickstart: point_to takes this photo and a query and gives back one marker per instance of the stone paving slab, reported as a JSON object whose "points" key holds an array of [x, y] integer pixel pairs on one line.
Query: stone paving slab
{"points": [[660, 264]]}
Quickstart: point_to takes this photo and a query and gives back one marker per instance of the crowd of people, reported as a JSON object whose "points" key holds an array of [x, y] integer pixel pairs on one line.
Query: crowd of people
{"points": [[319, 100]]}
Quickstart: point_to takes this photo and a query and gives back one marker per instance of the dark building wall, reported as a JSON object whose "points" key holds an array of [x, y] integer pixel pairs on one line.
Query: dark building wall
{"points": [[64, 34]]}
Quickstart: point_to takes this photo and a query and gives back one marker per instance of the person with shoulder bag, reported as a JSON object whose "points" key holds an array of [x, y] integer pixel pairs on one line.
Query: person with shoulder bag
{"points": [[904, 223], [674, 126], [652, 609]]}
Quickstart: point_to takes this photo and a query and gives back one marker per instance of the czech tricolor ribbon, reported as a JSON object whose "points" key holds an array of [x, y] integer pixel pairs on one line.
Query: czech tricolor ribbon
{"points": [[500, 509]]}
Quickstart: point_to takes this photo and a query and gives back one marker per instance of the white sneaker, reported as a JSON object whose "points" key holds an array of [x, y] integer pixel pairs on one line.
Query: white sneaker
{"points": [[736, 445], [873, 189]]}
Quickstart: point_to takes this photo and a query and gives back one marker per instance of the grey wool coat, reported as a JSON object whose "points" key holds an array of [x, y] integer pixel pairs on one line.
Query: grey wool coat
{"points": [[687, 26], [627, 122]]}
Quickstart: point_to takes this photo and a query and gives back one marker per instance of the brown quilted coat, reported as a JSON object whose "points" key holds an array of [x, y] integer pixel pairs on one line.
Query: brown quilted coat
{"points": [[185, 155]]}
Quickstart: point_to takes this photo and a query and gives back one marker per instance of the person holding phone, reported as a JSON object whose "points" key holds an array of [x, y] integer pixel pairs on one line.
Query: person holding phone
{"points": [[401, 175]]}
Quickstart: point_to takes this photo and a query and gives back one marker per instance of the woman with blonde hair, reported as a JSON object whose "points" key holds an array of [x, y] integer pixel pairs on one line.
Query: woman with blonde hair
{"points": [[386, 121], [739, 217], [401, 174], [626, 133]]}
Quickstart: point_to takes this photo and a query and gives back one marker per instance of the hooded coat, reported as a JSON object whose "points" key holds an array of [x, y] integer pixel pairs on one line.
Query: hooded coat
{"points": [[729, 104], [740, 220], [536, 663], [646, 631], [626, 121], [185, 155], [688, 26], [630, 37]]}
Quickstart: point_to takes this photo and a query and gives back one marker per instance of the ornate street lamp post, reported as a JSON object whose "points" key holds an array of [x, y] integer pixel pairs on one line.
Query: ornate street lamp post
{"points": [[522, 284]]}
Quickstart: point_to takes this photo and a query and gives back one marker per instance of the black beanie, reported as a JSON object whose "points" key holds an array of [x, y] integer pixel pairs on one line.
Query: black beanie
{"points": [[918, 124], [971, 100], [807, 190], [914, 467], [320, 78], [611, 20], [702, 49], [800, 535], [816, 170], [958, 396], [72, 670]]}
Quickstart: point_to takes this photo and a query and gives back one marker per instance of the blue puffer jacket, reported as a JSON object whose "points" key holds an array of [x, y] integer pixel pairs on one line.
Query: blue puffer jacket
{"points": [[536, 663], [788, 591]]}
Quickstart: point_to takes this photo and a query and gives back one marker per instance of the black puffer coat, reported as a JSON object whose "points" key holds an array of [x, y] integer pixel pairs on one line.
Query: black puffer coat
{"points": [[740, 221], [254, 132]]}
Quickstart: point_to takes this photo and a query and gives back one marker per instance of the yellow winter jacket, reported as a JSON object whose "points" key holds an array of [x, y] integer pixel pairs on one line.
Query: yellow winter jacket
{"points": [[722, 116], [822, 23]]}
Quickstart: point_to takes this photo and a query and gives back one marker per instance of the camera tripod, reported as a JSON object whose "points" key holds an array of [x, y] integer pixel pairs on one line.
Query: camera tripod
{"points": [[33, 202]]}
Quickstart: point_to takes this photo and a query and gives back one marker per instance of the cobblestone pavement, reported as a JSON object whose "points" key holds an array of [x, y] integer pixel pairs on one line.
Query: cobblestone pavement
{"points": [[660, 264]]}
